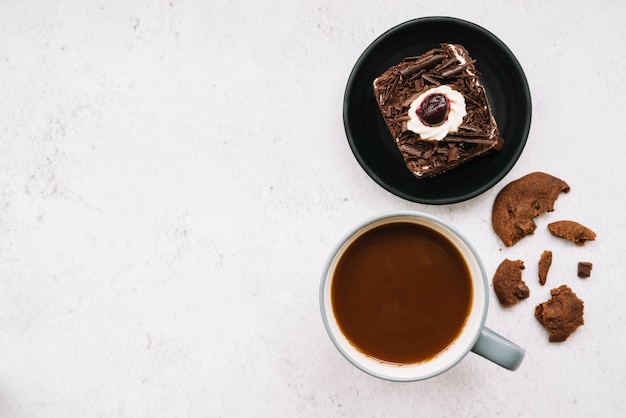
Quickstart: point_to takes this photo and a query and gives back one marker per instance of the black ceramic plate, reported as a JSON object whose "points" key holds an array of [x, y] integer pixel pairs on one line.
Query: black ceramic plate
{"points": [[507, 91]]}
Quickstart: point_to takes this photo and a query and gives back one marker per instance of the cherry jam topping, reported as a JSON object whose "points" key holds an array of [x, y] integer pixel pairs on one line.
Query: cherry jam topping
{"points": [[433, 111]]}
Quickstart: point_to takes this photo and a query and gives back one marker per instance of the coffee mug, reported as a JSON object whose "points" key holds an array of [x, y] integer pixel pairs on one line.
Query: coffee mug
{"points": [[404, 297]]}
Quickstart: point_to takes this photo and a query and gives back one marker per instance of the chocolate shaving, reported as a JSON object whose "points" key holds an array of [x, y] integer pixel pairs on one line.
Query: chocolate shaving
{"points": [[391, 90], [471, 134], [421, 63], [428, 153], [467, 139], [407, 102], [418, 84], [410, 150], [402, 118], [453, 154], [431, 79], [471, 128], [447, 63], [452, 71], [471, 99]]}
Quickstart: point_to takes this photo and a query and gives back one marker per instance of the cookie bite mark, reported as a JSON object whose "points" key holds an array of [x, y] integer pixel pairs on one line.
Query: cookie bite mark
{"points": [[508, 284], [572, 231], [562, 314], [522, 200], [545, 261]]}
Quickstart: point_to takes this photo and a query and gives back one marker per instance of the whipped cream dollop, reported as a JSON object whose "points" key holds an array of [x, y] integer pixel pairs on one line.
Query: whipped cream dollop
{"points": [[452, 121]]}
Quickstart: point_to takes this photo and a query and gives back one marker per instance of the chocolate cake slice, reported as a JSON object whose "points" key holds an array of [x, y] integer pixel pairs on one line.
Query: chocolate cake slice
{"points": [[437, 110]]}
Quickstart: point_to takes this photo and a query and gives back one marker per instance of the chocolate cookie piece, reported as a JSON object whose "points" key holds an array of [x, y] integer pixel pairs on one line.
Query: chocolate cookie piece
{"points": [[562, 314], [545, 261], [572, 231], [508, 283], [584, 269], [522, 200], [402, 94]]}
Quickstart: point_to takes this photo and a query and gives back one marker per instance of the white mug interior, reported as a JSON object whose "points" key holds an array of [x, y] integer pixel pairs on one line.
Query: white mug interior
{"points": [[449, 356]]}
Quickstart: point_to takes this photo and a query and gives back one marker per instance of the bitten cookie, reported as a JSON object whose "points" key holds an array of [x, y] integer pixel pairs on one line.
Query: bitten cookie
{"points": [[562, 314], [508, 283], [545, 261], [522, 200], [572, 231]]}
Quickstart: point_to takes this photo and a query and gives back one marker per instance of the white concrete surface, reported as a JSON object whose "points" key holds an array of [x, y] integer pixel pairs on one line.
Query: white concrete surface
{"points": [[174, 173]]}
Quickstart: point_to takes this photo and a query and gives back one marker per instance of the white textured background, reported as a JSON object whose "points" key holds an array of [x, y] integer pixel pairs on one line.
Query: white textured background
{"points": [[174, 173]]}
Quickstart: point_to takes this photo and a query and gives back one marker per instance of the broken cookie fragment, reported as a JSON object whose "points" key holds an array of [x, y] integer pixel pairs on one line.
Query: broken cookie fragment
{"points": [[560, 315], [584, 269], [572, 231], [522, 200], [545, 261], [508, 283]]}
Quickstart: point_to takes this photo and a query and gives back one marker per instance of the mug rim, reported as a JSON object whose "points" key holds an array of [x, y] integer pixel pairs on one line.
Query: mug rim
{"points": [[479, 322]]}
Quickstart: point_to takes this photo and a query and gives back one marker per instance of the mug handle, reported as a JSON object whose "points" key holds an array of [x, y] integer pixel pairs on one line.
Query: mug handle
{"points": [[498, 349]]}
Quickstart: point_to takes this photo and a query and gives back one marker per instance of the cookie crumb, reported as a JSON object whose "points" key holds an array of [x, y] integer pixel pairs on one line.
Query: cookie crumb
{"points": [[545, 261], [562, 314], [508, 283], [573, 231], [584, 269]]}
